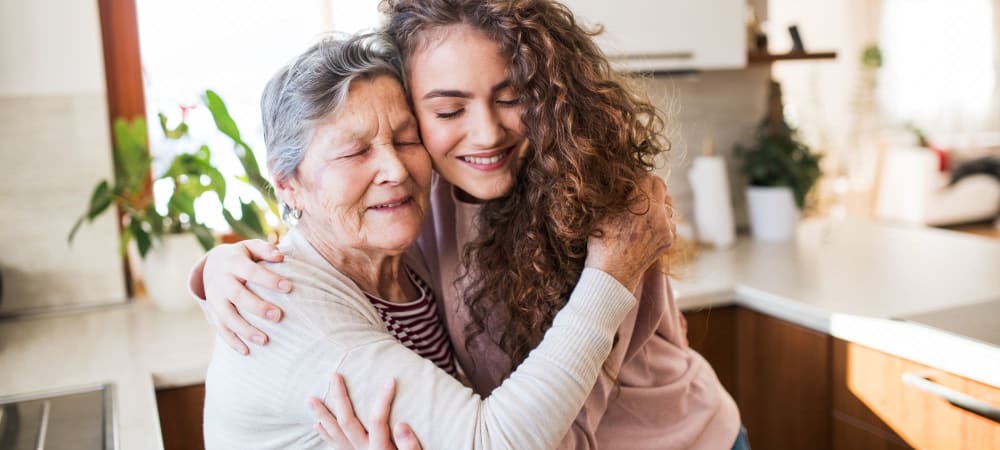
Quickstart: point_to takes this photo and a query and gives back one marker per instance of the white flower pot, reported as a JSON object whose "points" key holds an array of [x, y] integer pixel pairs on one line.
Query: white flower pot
{"points": [[773, 214], [165, 271]]}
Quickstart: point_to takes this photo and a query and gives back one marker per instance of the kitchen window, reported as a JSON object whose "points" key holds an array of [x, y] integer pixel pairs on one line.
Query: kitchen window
{"points": [[938, 66]]}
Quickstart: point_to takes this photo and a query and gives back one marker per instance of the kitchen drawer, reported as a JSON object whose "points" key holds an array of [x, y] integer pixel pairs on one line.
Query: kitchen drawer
{"points": [[869, 390]]}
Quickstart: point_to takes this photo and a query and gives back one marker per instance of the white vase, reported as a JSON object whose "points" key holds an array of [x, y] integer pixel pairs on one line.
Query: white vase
{"points": [[773, 213], [165, 271]]}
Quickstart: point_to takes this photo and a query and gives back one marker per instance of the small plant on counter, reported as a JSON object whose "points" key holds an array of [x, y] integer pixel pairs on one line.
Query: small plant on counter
{"points": [[778, 157]]}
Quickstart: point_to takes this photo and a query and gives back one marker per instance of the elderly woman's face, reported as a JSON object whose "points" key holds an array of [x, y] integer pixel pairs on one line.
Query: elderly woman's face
{"points": [[363, 182]]}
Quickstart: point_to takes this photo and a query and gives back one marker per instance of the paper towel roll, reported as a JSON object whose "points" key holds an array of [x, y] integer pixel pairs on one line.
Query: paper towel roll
{"points": [[713, 211]]}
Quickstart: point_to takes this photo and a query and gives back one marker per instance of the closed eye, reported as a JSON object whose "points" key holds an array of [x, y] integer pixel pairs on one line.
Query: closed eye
{"points": [[451, 114], [355, 154]]}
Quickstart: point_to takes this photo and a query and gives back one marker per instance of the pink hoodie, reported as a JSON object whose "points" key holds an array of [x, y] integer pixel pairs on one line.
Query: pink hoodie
{"points": [[666, 397]]}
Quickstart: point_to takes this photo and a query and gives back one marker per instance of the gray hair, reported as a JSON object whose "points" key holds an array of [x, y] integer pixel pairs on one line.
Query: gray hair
{"points": [[314, 85]]}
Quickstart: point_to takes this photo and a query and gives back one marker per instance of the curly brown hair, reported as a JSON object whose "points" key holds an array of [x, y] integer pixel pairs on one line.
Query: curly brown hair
{"points": [[592, 138]]}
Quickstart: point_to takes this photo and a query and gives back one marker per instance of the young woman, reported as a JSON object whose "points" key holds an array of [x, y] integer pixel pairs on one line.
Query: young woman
{"points": [[509, 223]]}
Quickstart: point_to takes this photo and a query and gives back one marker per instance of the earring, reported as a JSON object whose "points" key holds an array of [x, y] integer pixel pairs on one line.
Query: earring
{"points": [[287, 212]]}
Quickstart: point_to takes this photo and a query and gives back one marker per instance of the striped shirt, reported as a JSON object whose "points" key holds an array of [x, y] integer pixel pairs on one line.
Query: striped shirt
{"points": [[417, 326]]}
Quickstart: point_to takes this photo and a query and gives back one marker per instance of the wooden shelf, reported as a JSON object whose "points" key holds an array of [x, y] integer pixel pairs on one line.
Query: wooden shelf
{"points": [[763, 57]]}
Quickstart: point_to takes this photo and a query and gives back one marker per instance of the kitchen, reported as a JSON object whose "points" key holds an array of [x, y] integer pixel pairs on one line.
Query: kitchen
{"points": [[805, 331]]}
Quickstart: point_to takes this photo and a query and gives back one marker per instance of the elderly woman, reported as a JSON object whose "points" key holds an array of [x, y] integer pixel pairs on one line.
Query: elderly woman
{"points": [[348, 164]]}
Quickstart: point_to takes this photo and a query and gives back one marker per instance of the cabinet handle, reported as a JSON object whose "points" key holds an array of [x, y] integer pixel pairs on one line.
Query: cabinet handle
{"points": [[956, 398]]}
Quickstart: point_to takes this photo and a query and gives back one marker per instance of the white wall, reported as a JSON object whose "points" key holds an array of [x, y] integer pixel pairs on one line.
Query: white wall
{"points": [[54, 147], [50, 47]]}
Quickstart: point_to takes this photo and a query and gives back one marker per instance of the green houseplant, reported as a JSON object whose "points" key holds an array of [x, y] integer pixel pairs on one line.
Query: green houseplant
{"points": [[129, 190], [780, 169], [163, 235], [252, 222], [192, 175]]}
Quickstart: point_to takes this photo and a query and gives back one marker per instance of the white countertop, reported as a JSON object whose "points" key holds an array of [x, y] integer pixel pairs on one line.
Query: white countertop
{"points": [[854, 280], [848, 279], [134, 346]]}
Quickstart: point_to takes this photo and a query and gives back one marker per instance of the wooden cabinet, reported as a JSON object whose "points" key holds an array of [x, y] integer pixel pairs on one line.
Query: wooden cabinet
{"points": [[712, 333], [871, 395], [668, 34], [798, 388], [181, 414], [778, 373], [783, 386]]}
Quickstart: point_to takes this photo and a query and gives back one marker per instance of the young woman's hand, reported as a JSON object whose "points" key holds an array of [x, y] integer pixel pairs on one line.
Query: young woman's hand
{"points": [[226, 271], [633, 241], [341, 429]]}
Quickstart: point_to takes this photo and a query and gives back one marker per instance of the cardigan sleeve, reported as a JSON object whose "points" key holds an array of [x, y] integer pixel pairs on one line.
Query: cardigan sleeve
{"points": [[533, 408]]}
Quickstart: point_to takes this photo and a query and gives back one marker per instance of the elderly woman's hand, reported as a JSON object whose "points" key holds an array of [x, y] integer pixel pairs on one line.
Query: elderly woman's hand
{"points": [[227, 269], [631, 242], [345, 431]]}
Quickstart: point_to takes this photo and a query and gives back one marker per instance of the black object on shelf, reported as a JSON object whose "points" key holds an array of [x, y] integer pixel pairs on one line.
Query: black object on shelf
{"points": [[760, 42], [797, 46]]}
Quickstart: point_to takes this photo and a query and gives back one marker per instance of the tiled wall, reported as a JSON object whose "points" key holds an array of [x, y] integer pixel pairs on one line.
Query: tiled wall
{"points": [[54, 147], [725, 106]]}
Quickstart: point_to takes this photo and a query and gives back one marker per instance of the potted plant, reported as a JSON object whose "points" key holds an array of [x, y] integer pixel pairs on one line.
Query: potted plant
{"points": [[781, 170], [169, 239]]}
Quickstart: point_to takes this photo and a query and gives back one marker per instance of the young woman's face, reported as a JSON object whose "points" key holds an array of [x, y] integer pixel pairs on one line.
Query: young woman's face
{"points": [[470, 118]]}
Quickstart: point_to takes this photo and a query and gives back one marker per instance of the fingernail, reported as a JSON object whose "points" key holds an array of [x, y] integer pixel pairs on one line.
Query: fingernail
{"points": [[403, 431], [258, 339], [284, 285], [272, 315]]}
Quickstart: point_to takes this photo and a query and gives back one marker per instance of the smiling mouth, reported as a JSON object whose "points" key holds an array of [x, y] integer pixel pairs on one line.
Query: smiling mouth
{"points": [[488, 162], [393, 204]]}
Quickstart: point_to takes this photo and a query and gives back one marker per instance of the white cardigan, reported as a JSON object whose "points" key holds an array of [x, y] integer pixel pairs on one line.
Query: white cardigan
{"points": [[259, 401]]}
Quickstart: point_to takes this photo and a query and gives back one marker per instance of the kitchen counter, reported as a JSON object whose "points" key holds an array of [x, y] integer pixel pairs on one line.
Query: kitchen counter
{"points": [[852, 280], [134, 346], [858, 281]]}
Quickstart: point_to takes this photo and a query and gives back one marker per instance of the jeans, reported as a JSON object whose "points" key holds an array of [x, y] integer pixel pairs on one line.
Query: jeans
{"points": [[742, 443]]}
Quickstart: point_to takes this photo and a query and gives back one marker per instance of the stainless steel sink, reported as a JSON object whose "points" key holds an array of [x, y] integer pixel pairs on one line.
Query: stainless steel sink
{"points": [[74, 419]]}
